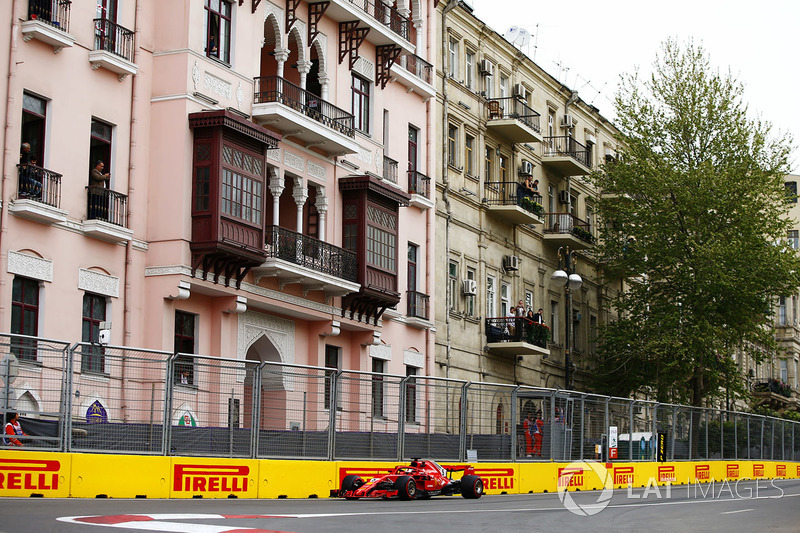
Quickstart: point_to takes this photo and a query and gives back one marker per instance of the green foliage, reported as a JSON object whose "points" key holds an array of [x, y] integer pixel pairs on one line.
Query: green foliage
{"points": [[529, 205], [537, 334], [693, 221]]}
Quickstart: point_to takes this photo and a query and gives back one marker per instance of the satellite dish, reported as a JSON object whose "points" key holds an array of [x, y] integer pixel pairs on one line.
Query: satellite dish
{"points": [[9, 368], [517, 36]]}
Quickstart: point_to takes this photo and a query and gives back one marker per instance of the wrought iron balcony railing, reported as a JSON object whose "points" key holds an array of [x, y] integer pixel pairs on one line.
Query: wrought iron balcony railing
{"points": [[773, 385], [511, 107], [309, 252], [39, 184], [418, 183], [567, 223], [513, 193], [566, 145], [387, 15], [113, 38], [107, 205], [276, 89], [52, 12], [417, 66], [517, 329], [389, 169], [418, 304]]}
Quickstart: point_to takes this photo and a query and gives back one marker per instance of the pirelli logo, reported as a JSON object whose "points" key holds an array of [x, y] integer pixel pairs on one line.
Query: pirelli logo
{"points": [[570, 477], [496, 478], [29, 474], [210, 478], [702, 472], [732, 470], [758, 470], [666, 473], [623, 475], [780, 470]]}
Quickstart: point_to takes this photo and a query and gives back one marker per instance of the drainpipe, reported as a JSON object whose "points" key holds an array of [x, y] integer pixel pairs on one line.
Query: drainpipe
{"points": [[573, 97], [430, 218], [7, 151]]}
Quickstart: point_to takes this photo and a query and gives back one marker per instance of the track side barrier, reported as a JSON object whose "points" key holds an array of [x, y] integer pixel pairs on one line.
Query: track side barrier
{"points": [[119, 476]]}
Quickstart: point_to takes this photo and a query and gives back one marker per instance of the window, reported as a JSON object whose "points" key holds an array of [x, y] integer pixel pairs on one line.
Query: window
{"points": [[94, 312], [218, 29], [411, 393], [381, 239], [469, 155], [590, 219], [791, 190], [551, 125], [505, 299], [794, 239], [24, 316], [452, 56], [554, 329], [502, 164], [794, 379], [333, 363], [452, 138], [469, 65], [529, 300], [551, 199], [234, 417], [379, 368], [488, 86], [487, 171], [592, 335], [782, 311], [413, 136], [784, 371], [471, 297], [361, 103], [453, 280], [33, 124], [184, 342], [503, 86], [242, 185], [491, 297], [100, 145]]}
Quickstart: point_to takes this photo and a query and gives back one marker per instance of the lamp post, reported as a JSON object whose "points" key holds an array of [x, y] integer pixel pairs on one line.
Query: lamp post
{"points": [[565, 276]]}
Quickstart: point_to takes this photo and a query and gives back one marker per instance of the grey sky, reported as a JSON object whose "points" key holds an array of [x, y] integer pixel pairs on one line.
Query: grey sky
{"points": [[587, 44]]}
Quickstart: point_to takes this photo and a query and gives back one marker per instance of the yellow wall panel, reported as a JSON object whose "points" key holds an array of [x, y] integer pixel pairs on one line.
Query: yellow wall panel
{"points": [[296, 479], [209, 477], [119, 476], [24, 474]]}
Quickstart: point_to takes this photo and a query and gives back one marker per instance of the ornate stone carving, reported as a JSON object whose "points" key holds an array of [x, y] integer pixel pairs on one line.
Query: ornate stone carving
{"points": [[280, 333], [240, 95], [30, 266], [316, 171], [381, 351], [413, 358], [98, 283], [195, 75], [217, 85], [293, 161], [365, 68]]}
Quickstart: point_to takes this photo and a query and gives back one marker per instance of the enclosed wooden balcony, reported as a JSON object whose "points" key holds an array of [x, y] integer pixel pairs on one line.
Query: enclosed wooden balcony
{"points": [[512, 119], [38, 195], [565, 229], [512, 202], [48, 22], [514, 336], [565, 156], [299, 114], [314, 264]]}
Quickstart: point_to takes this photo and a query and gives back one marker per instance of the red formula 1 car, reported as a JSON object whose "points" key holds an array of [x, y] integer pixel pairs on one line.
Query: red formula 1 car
{"points": [[420, 480]]}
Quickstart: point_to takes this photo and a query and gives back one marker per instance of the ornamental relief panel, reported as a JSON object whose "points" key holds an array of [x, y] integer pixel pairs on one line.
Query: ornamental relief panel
{"points": [[30, 266], [98, 283]]}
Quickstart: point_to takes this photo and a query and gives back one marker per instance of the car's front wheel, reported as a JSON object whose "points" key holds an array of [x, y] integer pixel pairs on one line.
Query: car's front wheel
{"points": [[471, 487], [351, 482], [406, 488]]}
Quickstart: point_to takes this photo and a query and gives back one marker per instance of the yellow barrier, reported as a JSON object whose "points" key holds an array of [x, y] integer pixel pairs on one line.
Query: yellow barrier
{"points": [[25, 474]]}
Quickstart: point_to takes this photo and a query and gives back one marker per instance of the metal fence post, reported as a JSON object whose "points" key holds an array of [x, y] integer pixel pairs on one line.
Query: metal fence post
{"points": [[583, 422], [255, 410], [631, 406], [169, 390], [462, 422], [401, 418], [674, 428], [705, 411], [691, 423], [654, 433], [514, 424], [604, 453], [332, 409], [67, 384], [761, 445]]}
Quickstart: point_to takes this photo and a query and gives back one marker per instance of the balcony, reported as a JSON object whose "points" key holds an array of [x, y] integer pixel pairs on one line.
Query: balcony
{"points": [[415, 74], [297, 113], [113, 49], [565, 156], [565, 229], [773, 393], [386, 24], [389, 169], [106, 215], [512, 202], [316, 265], [516, 336], [38, 195], [512, 119], [418, 309], [48, 22], [419, 186]]}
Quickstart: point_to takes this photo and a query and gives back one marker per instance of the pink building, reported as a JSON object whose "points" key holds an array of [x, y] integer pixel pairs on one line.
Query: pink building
{"points": [[264, 193]]}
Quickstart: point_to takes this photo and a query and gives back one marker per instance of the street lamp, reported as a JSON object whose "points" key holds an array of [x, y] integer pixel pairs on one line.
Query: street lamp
{"points": [[565, 276]]}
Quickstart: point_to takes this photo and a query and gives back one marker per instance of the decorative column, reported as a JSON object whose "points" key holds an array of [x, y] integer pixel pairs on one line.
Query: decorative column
{"points": [[276, 189], [303, 67], [300, 194], [324, 80], [418, 30], [281, 56], [322, 208]]}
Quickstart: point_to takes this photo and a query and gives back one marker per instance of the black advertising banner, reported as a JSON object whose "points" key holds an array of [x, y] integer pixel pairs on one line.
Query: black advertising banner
{"points": [[661, 454]]}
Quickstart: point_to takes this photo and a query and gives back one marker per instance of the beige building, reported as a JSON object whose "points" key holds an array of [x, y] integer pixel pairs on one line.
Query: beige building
{"points": [[511, 192]]}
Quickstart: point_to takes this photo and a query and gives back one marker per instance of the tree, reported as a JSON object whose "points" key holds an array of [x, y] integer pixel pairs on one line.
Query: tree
{"points": [[693, 221]]}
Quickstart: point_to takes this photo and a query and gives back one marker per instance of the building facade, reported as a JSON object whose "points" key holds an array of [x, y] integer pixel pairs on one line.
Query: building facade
{"points": [[263, 194], [512, 198]]}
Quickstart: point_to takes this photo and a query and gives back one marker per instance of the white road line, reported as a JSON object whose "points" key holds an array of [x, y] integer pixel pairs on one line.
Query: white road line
{"points": [[739, 511]]}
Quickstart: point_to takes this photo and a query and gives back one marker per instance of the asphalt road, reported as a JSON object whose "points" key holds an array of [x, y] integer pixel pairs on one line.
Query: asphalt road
{"points": [[746, 507]]}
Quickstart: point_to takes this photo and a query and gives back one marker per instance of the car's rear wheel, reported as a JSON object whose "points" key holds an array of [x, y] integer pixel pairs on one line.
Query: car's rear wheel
{"points": [[351, 482], [406, 488], [471, 487]]}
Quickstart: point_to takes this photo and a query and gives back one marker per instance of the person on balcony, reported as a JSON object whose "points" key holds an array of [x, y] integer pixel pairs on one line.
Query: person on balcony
{"points": [[98, 200], [538, 317], [33, 179]]}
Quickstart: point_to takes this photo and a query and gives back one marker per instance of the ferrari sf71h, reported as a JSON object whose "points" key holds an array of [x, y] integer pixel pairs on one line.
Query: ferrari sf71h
{"points": [[420, 480]]}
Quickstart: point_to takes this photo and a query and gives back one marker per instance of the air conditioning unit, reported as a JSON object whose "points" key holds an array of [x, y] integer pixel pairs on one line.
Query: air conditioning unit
{"points": [[470, 287], [520, 91], [526, 168], [567, 121], [510, 262], [486, 67], [563, 197]]}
